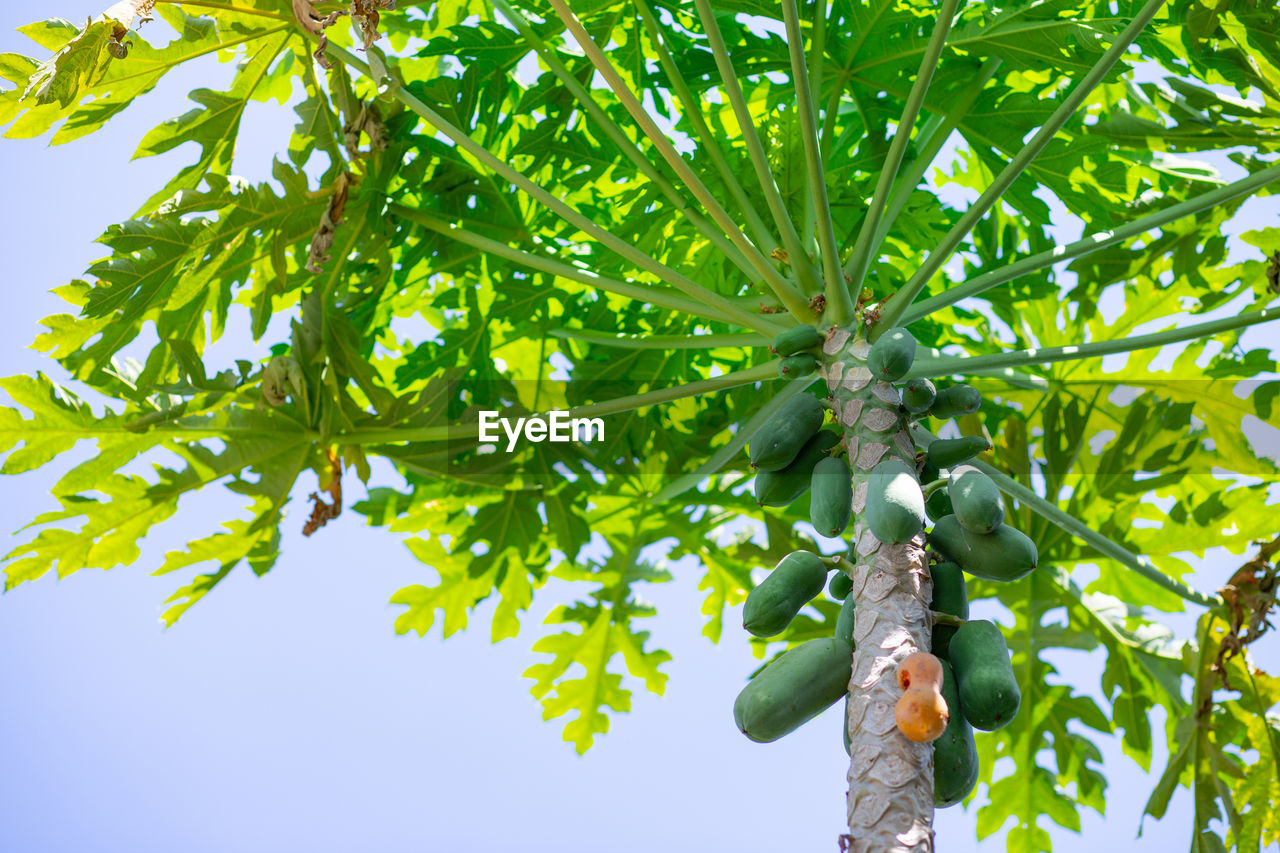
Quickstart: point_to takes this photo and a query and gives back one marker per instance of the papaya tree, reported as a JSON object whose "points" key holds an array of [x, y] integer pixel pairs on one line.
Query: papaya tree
{"points": [[753, 250]]}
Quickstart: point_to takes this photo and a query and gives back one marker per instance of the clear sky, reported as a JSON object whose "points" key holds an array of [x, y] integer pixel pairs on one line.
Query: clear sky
{"points": [[283, 713]]}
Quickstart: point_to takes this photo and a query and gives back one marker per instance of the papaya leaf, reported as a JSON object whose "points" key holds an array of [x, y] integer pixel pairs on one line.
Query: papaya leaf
{"points": [[395, 335], [605, 631], [457, 592], [726, 585], [214, 125]]}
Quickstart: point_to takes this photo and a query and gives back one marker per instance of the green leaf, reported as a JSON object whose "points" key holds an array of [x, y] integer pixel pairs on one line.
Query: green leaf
{"points": [[408, 333], [605, 631], [215, 125], [457, 593], [59, 420]]}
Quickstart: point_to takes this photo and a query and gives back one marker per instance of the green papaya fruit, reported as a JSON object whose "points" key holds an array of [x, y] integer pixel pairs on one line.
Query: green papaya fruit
{"points": [[840, 585], [949, 594], [989, 694], [792, 584], [844, 622], [895, 506], [929, 472], [955, 401], [795, 339], [844, 727], [955, 755], [978, 504], [794, 689], [831, 496], [918, 395], [780, 488], [844, 631], [1004, 554], [940, 641], [778, 441], [795, 366], [948, 597], [892, 355], [949, 452], [938, 504]]}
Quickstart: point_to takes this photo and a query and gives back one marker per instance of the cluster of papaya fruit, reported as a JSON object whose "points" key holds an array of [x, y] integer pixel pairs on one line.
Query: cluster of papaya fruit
{"points": [[965, 681], [792, 453], [978, 685]]}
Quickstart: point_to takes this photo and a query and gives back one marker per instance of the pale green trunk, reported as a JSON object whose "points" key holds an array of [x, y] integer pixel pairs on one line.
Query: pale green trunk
{"points": [[890, 801]]}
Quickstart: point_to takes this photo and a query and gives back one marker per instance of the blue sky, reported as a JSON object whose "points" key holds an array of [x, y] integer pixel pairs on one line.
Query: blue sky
{"points": [[283, 713]]}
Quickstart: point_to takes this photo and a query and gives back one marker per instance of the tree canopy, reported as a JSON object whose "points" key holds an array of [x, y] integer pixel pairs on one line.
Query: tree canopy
{"points": [[528, 205]]}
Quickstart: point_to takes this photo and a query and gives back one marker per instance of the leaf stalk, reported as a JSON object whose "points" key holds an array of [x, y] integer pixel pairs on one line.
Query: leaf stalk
{"points": [[838, 304], [1091, 243], [1080, 530], [759, 373], [464, 142], [860, 259], [755, 150], [787, 292], [897, 304], [951, 365]]}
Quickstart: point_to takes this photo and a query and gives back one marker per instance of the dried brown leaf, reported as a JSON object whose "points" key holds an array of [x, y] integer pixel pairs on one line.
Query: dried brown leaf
{"points": [[322, 242]]}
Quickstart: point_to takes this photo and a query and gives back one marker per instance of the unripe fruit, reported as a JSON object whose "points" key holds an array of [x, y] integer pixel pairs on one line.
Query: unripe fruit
{"points": [[928, 471], [892, 355], [988, 688], [949, 452], [794, 689], [840, 587], [794, 582], [955, 755], [778, 441], [795, 339], [895, 505], [918, 395], [939, 504], [781, 487], [949, 597], [978, 505], [1004, 555], [795, 366], [844, 622], [955, 401], [831, 496]]}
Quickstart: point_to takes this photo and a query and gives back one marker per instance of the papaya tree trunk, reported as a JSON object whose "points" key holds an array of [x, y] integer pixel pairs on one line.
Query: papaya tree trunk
{"points": [[890, 800]]}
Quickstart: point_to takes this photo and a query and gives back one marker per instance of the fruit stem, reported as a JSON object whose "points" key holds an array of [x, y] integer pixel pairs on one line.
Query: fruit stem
{"points": [[946, 619], [930, 488]]}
